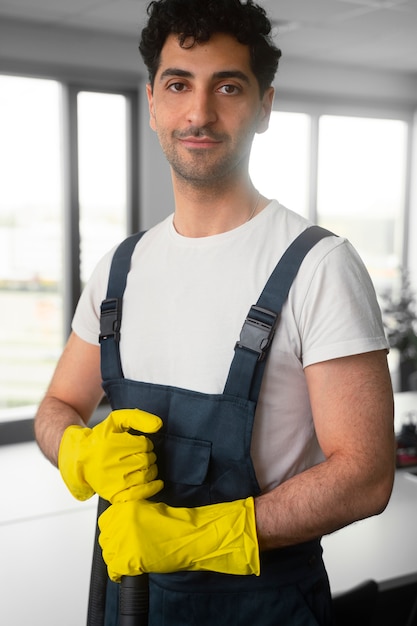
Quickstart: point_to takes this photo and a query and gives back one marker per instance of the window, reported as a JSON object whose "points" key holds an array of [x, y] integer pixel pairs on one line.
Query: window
{"points": [[102, 154], [361, 187], [31, 210], [40, 193], [348, 174], [279, 165]]}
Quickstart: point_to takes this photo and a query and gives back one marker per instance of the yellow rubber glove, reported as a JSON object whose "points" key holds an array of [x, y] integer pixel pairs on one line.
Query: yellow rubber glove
{"points": [[144, 537], [110, 461]]}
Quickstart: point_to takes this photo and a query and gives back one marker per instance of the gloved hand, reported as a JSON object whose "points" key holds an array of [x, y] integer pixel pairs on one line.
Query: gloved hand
{"points": [[108, 460], [143, 537]]}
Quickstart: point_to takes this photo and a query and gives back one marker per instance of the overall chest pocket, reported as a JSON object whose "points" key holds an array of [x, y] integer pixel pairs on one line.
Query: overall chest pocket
{"points": [[183, 465]]}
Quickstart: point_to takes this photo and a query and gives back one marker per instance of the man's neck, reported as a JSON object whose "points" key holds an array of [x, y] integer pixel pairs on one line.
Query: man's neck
{"points": [[206, 212]]}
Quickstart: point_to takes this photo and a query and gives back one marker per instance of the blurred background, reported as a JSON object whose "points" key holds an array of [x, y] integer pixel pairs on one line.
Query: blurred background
{"points": [[80, 169]]}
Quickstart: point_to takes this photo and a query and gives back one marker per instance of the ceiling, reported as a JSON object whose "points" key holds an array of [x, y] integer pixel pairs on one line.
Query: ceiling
{"points": [[379, 34]]}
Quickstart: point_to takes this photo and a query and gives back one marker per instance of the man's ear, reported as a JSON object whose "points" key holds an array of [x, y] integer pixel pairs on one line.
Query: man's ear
{"points": [[149, 94], [267, 102]]}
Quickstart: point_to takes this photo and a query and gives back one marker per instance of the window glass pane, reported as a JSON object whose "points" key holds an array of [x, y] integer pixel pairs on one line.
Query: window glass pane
{"points": [[280, 160], [361, 187], [102, 146], [30, 238]]}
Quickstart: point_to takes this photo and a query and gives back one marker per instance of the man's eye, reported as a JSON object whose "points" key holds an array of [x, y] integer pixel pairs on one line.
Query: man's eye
{"points": [[177, 87], [229, 90]]}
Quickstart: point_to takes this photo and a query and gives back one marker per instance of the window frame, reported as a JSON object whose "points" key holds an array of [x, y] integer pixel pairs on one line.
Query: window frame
{"points": [[317, 107], [72, 274], [17, 426]]}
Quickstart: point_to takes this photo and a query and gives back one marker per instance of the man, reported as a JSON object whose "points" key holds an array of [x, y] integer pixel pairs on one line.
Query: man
{"points": [[231, 535]]}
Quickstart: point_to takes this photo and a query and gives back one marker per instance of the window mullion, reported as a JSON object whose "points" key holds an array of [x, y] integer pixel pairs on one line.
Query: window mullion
{"points": [[132, 161], [71, 244], [406, 216], [314, 167]]}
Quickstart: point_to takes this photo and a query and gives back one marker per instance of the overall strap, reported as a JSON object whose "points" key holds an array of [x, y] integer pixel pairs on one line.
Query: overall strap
{"points": [[111, 309], [251, 351]]}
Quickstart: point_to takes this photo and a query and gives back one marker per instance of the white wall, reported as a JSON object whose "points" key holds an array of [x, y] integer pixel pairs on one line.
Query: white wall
{"points": [[67, 50], [73, 51]]}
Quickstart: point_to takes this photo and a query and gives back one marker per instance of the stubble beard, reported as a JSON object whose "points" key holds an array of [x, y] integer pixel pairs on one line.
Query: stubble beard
{"points": [[200, 168], [198, 172]]}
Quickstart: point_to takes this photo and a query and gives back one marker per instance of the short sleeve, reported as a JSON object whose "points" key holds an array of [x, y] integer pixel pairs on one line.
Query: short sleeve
{"points": [[340, 315], [86, 320]]}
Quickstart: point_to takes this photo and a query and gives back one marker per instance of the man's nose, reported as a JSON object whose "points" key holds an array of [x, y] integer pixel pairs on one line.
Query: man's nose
{"points": [[202, 109]]}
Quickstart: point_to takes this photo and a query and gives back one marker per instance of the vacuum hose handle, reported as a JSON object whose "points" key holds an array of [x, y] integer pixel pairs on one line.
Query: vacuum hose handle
{"points": [[134, 601], [134, 592]]}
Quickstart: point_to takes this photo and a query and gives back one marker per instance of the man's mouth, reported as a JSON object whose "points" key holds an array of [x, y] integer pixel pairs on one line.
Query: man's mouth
{"points": [[199, 142], [198, 138]]}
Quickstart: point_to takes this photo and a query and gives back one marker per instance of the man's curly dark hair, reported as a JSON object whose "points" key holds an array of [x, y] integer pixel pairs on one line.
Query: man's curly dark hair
{"points": [[199, 20]]}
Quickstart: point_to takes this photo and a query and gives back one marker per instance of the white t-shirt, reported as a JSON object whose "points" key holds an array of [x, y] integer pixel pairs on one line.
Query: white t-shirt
{"points": [[186, 300]]}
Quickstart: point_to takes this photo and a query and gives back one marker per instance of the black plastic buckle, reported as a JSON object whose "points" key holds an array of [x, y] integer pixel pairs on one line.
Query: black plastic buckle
{"points": [[110, 319], [258, 331]]}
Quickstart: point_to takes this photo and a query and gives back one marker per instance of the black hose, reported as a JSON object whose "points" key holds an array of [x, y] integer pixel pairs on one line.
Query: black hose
{"points": [[134, 590], [134, 601], [98, 580], [412, 618], [134, 593]]}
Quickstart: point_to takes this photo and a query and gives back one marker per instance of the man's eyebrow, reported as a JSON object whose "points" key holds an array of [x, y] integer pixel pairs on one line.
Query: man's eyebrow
{"points": [[174, 71], [232, 74], [224, 74]]}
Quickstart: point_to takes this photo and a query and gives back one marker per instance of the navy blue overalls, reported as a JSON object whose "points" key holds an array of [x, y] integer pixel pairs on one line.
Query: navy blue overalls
{"points": [[203, 456]]}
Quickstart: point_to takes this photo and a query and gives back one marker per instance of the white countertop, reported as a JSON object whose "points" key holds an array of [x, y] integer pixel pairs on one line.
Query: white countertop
{"points": [[382, 547]]}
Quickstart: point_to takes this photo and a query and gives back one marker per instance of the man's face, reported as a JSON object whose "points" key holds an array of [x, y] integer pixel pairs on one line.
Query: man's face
{"points": [[206, 107]]}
